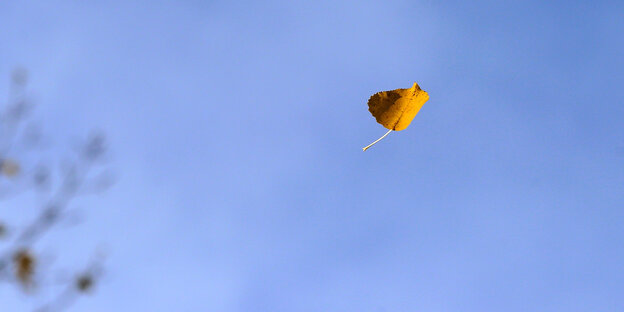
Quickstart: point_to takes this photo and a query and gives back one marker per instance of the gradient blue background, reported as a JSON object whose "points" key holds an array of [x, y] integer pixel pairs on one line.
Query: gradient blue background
{"points": [[237, 129]]}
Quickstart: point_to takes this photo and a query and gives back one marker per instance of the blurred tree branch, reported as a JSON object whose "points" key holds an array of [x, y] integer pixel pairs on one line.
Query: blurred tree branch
{"points": [[19, 260]]}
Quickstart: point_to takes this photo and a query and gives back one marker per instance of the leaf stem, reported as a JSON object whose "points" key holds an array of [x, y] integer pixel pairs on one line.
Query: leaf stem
{"points": [[369, 145]]}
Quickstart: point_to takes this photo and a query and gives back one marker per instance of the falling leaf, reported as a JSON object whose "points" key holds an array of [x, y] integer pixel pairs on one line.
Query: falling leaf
{"points": [[396, 109], [9, 168]]}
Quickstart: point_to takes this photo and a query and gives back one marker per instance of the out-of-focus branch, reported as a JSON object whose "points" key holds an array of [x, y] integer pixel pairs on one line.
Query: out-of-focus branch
{"points": [[18, 261], [82, 283]]}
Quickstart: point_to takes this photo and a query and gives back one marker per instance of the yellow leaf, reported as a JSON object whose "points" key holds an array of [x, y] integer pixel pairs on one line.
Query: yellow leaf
{"points": [[396, 109], [24, 263], [9, 168]]}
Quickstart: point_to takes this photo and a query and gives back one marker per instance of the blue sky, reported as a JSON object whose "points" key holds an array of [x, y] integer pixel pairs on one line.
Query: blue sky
{"points": [[237, 127]]}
